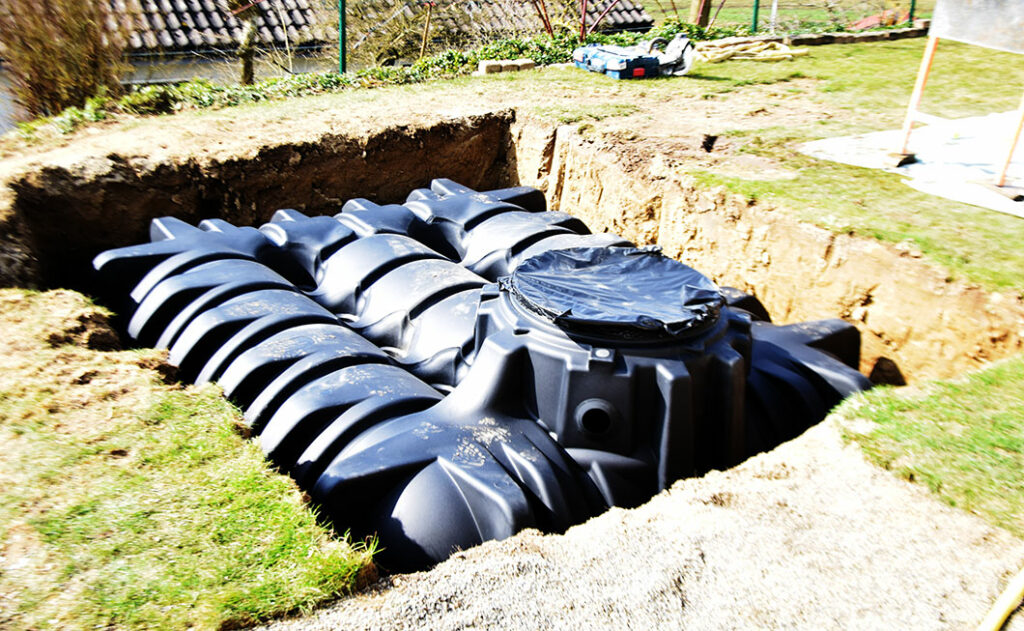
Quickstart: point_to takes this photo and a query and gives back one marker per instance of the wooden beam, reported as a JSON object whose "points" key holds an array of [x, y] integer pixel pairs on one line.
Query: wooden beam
{"points": [[1013, 146], [915, 98]]}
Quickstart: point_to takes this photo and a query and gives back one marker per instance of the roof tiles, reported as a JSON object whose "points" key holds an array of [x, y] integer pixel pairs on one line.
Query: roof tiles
{"points": [[193, 25], [513, 17]]}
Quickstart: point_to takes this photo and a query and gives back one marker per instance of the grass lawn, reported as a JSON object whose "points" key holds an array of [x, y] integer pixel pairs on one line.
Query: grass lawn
{"points": [[863, 87], [868, 88], [963, 439], [791, 14], [128, 502]]}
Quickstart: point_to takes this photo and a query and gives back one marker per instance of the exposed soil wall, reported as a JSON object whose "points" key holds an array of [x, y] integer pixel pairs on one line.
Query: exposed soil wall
{"points": [[911, 317], [19, 265], [56, 213], [61, 214]]}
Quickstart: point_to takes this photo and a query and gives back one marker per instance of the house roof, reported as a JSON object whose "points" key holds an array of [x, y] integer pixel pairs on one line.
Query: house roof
{"points": [[482, 20], [178, 26], [192, 25], [625, 16], [517, 16]]}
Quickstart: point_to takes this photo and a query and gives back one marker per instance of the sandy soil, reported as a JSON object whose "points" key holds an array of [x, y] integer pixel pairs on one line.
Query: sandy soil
{"points": [[809, 536]]}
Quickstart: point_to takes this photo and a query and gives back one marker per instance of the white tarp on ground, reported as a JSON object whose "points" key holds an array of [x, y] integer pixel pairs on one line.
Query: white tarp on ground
{"points": [[956, 159]]}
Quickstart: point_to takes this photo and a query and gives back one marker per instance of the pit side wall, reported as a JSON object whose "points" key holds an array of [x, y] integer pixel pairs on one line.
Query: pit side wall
{"points": [[56, 215], [906, 309]]}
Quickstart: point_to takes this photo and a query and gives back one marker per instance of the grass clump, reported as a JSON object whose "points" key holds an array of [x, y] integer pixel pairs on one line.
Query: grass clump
{"points": [[963, 439], [588, 112], [812, 16], [132, 503]]}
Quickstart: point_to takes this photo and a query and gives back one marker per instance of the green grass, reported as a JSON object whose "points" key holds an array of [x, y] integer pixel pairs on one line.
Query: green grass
{"points": [[791, 14], [862, 88], [868, 86], [130, 503], [976, 245], [963, 439]]}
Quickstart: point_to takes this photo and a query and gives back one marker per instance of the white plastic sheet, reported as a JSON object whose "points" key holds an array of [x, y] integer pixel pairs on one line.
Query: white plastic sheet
{"points": [[956, 159], [995, 24]]}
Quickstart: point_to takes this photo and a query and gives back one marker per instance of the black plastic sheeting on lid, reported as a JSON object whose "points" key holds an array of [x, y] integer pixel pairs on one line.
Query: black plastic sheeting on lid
{"points": [[618, 292]]}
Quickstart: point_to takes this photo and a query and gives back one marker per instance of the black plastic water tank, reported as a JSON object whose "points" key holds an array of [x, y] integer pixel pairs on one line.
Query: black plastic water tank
{"points": [[465, 365]]}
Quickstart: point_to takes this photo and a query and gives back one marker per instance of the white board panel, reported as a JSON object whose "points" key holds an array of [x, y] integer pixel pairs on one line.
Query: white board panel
{"points": [[995, 24]]}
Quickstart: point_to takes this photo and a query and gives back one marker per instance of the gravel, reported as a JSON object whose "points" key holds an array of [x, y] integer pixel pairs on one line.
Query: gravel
{"points": [[808, 536]]}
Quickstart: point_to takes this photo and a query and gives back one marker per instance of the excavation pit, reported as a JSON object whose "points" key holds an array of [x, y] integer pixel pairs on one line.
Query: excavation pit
{"points": [[62, 207], [530, 377], [913, 322]]}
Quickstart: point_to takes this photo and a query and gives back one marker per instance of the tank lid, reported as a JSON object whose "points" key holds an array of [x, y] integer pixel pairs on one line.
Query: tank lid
{"points": [[621, 293]]}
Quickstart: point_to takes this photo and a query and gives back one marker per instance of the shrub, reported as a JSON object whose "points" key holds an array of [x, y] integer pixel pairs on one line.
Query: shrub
{"points": [[61, 52], [150, 99]]}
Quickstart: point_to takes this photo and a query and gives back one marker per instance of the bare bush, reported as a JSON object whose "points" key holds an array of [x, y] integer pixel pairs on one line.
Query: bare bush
{"points": [[384, 34], [61, 52]]}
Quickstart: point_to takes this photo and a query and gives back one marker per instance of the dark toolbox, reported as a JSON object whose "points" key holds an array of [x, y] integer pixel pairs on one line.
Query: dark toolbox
{"points": [[640, 61]]}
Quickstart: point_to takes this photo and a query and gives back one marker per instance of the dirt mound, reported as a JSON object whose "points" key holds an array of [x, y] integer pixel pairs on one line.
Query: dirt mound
{"points": [[74, 320], [57, 342], [61, 317], [809, 536]]}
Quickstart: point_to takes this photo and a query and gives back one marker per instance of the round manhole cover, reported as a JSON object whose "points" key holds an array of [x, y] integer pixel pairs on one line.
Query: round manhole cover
{"points": [[617, 293]]}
